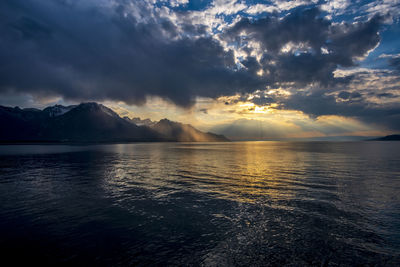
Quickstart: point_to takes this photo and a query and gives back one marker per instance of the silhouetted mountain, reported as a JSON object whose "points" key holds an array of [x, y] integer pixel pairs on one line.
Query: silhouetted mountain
{"points": [[18, 124], [57, 110], [393, 137], [88, 122], [95, 122], [184, 132]]}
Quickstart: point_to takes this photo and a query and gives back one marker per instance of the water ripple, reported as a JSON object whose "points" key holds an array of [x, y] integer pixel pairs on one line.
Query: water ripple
{"points": [[205, 204]]}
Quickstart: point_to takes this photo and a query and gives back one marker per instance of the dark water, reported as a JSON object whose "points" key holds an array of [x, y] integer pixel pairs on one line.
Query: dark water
{"points": [[220, 204]]}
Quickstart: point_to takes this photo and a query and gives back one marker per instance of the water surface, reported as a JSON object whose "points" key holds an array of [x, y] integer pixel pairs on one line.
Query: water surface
{"points": [[201, 204]]}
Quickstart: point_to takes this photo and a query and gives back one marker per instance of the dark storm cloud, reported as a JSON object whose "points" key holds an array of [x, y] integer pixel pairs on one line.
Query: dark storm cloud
{"points": [[300, 53], [87, 50], [319, 104], [81, 53], [385, 95], [316, 46], [273, 33], [263, 100], [349, 95]]}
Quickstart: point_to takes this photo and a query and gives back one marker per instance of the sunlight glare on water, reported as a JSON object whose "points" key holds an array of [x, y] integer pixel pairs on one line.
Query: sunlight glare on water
{"points": [[207, 204]]}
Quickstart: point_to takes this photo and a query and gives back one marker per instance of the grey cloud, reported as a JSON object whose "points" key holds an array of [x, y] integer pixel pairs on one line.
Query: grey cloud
{"points": [[342, 44], [299, 26], [319, 104], [349, 41], [89, 53], [83, 52], [251, 64], [385, 95], [263, 100], [319, 47], [344, 95], [349, 95]]}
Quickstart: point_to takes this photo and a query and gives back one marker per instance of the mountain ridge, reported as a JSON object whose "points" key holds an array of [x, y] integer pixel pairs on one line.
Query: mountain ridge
{"points": [[392, 137], [90, 122]]}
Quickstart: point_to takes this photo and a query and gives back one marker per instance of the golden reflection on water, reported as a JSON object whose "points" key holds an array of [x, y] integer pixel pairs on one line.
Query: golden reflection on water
{"points": [[169, 201], [256, 171], [242, 172]]}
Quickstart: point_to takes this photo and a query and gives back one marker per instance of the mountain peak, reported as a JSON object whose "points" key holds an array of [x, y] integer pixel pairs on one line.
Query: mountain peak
{"points": [[91, 122], [96, 107], [140, 122], [57, 110], [177, 131]]}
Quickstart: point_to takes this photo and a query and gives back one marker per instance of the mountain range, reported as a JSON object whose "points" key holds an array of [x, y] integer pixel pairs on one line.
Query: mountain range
{"points": [[393, 137], [91, 122]]}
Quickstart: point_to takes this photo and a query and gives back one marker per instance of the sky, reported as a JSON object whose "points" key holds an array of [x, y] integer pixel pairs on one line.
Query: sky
{"points": [[250, 69]]}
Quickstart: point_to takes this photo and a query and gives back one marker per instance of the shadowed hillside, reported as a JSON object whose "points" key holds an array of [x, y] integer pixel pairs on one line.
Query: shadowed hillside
{"points": [[90, 122]]}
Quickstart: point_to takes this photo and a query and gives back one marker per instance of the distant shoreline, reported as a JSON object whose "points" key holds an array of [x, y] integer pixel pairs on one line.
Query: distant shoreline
{"points": [[98, 142], [393, 137], [6, 143]]}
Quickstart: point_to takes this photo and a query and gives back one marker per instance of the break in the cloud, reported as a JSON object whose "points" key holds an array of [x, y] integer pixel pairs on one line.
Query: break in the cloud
{"points": [[282, 55]]}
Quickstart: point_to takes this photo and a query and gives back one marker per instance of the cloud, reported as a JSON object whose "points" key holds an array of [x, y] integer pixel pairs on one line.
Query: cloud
{"points": [[129, 51], [303, 47], [303, 52], [276, 6], [371, 96], [349, 95], [298, 127], [107, 54], [382, 7], [81, 52], [335, 6], [317, 104], [175, 3]]}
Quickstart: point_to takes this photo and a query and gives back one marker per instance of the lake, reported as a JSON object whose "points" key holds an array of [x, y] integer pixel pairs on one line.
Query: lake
{"points": [[201, 204]]}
